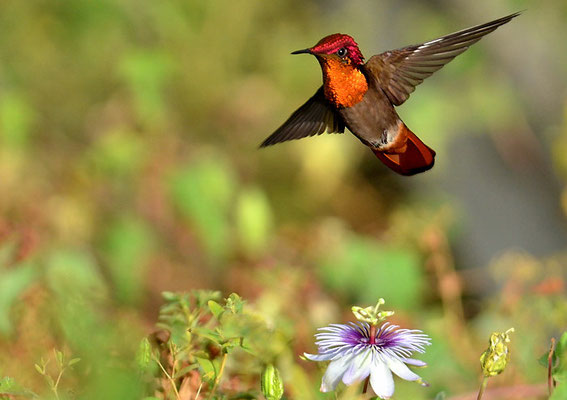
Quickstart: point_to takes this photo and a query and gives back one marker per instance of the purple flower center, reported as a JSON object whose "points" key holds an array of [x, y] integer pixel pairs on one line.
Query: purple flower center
{"points": [[361, 335]]}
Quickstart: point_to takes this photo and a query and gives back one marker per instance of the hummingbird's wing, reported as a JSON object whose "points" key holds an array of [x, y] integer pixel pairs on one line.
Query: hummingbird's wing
{"points": [[399, 71], [313, 118]]}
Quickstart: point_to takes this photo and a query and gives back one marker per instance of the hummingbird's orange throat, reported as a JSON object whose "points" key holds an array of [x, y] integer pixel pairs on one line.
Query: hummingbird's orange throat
{"points": [[344, 84]]}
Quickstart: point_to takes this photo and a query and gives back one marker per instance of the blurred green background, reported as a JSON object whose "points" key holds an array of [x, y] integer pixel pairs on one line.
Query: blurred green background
{"points": [[129, 166]]}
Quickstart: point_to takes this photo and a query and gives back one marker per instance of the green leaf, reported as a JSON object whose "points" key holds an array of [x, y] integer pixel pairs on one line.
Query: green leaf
{"points": [[144, 354], [215, 308], [209, 369], [208, 334], [235, 303], [183, 371], [169, 296], [39, 369], [59, 359], [202, 297], [73, 361]]}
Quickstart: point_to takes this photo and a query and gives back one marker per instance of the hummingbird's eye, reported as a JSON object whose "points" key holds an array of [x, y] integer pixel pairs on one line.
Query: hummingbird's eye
{"points": [[342, 52]]}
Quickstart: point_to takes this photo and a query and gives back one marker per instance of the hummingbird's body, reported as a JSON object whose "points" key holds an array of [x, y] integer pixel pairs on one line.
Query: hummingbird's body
{"points": [[361, 96]]}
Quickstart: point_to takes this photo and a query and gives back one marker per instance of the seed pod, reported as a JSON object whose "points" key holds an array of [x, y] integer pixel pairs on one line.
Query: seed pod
{"points": [[272, 385], [494, 359]]}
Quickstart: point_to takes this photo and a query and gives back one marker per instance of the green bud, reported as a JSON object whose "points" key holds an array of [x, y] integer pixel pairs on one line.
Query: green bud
{"points": [[494, 359], [371, 314], [272, 385], [144, 354]]}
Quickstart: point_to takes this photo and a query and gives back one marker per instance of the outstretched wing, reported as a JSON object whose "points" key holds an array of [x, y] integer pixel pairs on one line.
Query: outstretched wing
{"points": [[313, 118], [398, 72]]}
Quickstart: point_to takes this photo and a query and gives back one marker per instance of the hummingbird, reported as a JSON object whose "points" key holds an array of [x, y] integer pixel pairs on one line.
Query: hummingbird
{"points": [[361, 96]]}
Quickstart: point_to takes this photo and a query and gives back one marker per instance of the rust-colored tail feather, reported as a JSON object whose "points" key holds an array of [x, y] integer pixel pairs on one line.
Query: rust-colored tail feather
{"points": [[416, 156]]}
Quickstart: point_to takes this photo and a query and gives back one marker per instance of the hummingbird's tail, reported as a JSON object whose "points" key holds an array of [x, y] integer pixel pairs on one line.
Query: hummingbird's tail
{"points": [[411, 159]]}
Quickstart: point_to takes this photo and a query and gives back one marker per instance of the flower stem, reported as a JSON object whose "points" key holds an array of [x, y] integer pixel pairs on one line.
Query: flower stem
{"points": [[482, 387], [169, 378], [218, 378], [366, 385], [550, 380]]}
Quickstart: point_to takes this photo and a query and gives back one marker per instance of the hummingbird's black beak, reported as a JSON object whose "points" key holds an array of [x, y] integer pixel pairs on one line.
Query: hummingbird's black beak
{"points": [[304, 51]]}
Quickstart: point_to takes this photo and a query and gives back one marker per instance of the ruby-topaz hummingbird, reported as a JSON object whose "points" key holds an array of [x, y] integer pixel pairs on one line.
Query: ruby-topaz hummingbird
{"points": [[361, 96]]}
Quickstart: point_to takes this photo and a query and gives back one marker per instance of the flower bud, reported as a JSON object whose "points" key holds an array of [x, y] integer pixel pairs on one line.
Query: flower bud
{"points": [[272, 385], [494, 359]]}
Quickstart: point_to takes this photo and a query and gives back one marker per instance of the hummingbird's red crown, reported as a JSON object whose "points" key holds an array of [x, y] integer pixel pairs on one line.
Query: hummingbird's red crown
{"points": [[332, 43]]}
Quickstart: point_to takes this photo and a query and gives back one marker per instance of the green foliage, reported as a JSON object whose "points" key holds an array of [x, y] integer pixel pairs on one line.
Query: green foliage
{"points": [[13, 282], [62, 364], [362, 269], [203, 192], [10, 388], [127, 247], [206, 335], [558, 362]]}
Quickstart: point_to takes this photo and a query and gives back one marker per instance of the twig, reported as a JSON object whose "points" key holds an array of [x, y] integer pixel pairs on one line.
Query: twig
{"points": [[54, 388], [173, 385], [482, 387], [550, 380], [199, 391]]}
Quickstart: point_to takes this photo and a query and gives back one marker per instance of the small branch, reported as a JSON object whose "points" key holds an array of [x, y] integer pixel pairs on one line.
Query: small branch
{"points": [[199, 391], [173, 385], [219, 375], [550, 380], [482, 387]]}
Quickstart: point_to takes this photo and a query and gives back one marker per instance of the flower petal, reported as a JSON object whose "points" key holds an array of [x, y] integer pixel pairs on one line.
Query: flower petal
{"points": [[400, 369], [414, 362], [334, 373], [318, 357], [381, 379], [359, 368]]}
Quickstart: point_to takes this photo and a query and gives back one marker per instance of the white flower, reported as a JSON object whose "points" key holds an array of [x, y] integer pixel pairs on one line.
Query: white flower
{"points": [[355, 355]]}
